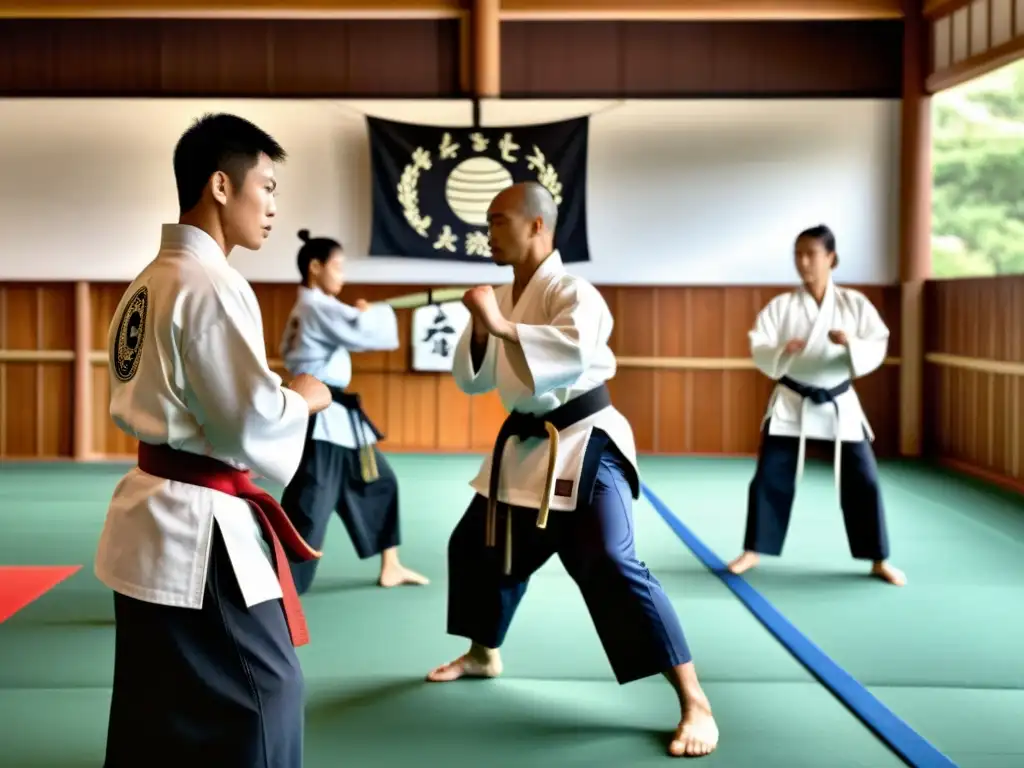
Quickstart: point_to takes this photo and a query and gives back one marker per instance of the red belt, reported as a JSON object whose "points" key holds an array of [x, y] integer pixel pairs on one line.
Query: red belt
{"points": [[193, 469]]}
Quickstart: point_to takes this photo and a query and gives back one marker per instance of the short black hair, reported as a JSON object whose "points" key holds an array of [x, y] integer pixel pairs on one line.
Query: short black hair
{"points": [[825, 236], [218, 142], [314, 249]]}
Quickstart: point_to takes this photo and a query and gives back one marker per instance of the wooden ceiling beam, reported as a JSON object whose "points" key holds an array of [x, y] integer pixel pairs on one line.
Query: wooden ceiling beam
{"points": [[624, 10], [700, 10], [233, 9]]}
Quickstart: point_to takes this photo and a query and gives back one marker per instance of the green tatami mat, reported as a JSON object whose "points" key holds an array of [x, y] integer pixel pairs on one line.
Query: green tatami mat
{"points": [[557, 705], [943, 652]]}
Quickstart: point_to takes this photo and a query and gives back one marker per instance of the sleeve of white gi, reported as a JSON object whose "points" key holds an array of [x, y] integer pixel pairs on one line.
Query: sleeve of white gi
{"points": [[869, 342], [469, 379], [374, 329], [766, 348], [559, 352], [245, 412]]}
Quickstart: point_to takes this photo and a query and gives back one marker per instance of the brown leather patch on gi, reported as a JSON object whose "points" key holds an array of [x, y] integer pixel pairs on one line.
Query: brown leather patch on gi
{"points": [[563, 488]]}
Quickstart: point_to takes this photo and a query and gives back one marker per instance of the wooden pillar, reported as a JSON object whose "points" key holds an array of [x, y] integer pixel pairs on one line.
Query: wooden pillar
{"points": [[83, 372], [914, 224], [486, 47]]}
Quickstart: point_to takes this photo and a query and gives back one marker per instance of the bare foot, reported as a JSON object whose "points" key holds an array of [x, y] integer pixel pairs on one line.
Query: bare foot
{"points": [[396, 575], [744, 562], [474, 664], [697, 734], [886, 572]]}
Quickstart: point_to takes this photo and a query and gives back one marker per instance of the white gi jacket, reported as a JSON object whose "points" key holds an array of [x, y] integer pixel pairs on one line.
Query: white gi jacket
{"points": [[319, 336], [564, 326], [198, 381], [821, 364]]}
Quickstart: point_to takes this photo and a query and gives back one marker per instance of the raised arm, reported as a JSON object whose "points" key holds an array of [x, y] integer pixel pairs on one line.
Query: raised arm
{"points": [[245, 412], [869, 343], [374, 329], [559, 352], [474, 365], [767, 349]]}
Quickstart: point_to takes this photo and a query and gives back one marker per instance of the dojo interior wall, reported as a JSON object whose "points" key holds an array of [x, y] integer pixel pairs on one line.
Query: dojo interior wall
{"points": [[680, 192], [693, 206], [685, 379]]}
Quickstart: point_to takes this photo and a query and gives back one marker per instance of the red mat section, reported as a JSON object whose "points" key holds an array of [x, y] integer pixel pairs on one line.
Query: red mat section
{"points": [[20, 585]]}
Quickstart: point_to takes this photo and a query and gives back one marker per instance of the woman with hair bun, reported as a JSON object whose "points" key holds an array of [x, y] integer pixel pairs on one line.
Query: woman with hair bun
{"points": [[813, 341], [341, 470]]}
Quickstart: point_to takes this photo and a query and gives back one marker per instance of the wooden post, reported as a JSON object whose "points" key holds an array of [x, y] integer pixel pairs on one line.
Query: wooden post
{"points": [[915, 224], [486, 46], [83, 373]]}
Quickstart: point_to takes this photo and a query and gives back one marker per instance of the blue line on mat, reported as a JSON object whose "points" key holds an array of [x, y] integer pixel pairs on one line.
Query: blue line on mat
{"points": [[900, 737]]}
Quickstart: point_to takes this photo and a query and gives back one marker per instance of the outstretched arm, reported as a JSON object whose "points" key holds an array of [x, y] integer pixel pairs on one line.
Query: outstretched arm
{"points": [[372, 329]]}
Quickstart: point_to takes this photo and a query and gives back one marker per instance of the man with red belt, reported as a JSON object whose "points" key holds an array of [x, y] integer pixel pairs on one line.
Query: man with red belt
{"points": [[205, 669]]}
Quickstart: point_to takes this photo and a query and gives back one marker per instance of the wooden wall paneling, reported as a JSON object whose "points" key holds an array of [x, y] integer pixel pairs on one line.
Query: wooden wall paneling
{"points": [[622, 59], [36, 370], [685, 381], [975, 365], [230, 58], [108, 440]]}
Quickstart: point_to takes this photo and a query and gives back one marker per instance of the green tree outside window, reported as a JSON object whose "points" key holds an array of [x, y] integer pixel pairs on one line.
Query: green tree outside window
{"points": [[978, 165]]}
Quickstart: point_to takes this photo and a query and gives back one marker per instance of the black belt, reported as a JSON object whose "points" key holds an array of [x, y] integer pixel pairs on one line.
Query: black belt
{"points": [[816, 395], [525, 426], [357, 418]]}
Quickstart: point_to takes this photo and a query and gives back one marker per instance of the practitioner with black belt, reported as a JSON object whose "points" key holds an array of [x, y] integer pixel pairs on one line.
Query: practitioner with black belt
{"points": [[814, 341], [341, 470], [562, 474]]}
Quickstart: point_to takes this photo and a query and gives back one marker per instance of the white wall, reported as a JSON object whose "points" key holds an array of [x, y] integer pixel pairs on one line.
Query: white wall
{"points": [[679, 192]]}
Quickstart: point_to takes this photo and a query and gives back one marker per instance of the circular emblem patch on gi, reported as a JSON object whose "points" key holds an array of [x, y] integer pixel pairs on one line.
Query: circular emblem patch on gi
{"points": [[130, 332]]}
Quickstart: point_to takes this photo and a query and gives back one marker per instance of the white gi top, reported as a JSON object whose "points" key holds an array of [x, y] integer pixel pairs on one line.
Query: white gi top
{"points": [[821, 364], [318, 337], [198, 381], [564, 325]]}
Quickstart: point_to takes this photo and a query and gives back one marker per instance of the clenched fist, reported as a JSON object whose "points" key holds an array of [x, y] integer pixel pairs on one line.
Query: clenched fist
{"points": [[313, 391], [483, 306]]}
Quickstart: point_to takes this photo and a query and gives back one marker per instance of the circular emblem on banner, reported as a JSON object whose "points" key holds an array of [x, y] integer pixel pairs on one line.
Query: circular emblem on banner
{"points": [[467, 170], [131, 331]]}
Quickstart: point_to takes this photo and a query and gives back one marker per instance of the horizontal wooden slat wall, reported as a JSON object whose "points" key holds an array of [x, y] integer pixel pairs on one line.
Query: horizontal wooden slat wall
{"points": [[684, 382], [37, 326], [974, 375]]}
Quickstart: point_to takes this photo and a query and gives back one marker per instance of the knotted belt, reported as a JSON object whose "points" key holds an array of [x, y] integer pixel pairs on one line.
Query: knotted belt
{"points": [[524, 426], [818, 396], [206, 472], [357, 417]]}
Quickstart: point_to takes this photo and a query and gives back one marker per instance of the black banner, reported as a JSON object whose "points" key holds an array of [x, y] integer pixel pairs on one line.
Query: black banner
{"points": [[432, 186]]}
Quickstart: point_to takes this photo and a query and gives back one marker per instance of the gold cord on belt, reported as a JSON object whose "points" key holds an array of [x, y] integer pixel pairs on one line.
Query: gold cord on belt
{"points": [[368, 464], [491, 525]]}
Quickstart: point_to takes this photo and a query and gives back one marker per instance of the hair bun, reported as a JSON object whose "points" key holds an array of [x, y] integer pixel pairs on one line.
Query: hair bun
{"points": [[304, 235]]}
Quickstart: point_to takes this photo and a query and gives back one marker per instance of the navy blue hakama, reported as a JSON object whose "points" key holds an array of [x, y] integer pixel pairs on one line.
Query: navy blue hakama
{"points": [[634, 618], [219, 686]]}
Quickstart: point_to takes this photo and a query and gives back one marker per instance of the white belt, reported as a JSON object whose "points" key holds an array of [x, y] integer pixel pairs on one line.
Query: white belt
{"points": [[837, 450], [805, 400]]}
